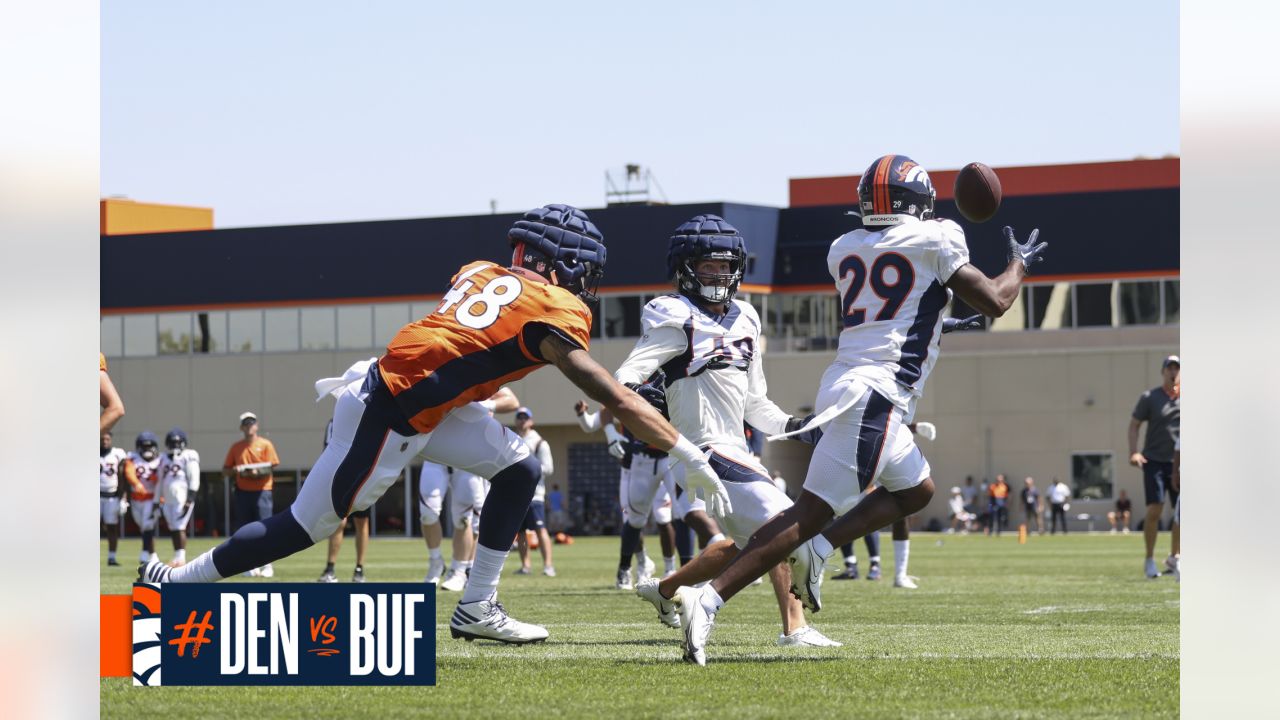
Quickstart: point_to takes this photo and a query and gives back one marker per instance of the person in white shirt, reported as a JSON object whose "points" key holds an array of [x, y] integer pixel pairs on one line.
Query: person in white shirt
{"points": [[959, 516], [179, 482], [1059, 497], [535, 520], [111, 502], [894, 276]]}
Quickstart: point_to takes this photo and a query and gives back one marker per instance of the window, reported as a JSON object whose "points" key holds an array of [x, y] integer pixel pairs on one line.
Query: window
{"points": [[111, 339], [318, 329], [1050, 306], [622, 316], [244, 331], [387, 321], [173, 333], [139, 335], [1139, 303], [1091, 476], [1172, 305], [355, 327], [1093, 305], [1017, 317], [281, 330], [211, 332]]}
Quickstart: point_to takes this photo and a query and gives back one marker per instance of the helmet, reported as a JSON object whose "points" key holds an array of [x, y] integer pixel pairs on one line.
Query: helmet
{"points": [[147, 445], [706, 237], [176, 441], [893, 187], [561, 244]]}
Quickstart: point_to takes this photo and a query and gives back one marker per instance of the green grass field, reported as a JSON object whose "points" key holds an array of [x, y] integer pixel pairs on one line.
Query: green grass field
{"points": [[1062, 627]]}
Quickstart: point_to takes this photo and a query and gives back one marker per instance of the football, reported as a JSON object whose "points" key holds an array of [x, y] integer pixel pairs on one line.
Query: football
{"points": [[977, 192]]}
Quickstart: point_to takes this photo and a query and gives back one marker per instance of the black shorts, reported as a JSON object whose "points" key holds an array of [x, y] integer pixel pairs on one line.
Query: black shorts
{"points": [[536, 518], [1157, 480]]}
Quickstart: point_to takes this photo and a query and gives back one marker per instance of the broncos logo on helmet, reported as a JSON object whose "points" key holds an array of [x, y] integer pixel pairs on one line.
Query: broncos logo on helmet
{"points": [[893, 187], [706, 237], [561, 244]]}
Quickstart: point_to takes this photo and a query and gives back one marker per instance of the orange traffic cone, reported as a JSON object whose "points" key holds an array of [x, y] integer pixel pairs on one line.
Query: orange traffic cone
{"points": [[1022, 534]]}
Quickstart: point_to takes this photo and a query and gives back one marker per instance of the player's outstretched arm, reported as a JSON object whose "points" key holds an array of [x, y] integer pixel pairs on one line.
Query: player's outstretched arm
{"points": [[110, 402], [503, 401], [994, 296]]}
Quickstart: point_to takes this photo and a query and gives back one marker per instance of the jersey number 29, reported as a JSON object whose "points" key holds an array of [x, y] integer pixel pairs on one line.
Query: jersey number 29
{"points": [[479, 310], [853, 275]]}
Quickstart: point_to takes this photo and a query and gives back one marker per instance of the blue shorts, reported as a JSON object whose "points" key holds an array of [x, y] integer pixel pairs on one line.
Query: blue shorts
{"points": [[536, 518], [1157, 479]]}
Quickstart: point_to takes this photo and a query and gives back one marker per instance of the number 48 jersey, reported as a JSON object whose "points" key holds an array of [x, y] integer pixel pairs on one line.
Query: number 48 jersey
{"points": [[892, 287]]}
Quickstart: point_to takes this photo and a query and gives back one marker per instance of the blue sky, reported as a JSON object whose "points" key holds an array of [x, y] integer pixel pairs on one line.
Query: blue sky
{"points": [[294, 112]]}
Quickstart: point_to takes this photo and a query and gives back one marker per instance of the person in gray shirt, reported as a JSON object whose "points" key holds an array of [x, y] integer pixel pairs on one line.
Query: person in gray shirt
{"points": [[1159, 408]]}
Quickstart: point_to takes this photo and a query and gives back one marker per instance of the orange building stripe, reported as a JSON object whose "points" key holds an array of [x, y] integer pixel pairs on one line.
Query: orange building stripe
{"points": [[115, 635]]}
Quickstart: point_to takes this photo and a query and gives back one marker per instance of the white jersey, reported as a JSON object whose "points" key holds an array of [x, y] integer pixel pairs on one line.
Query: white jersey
{"points": [[892, 287], [148, 475], [714, 370], [109, 469], [542, 451], [183, 469]]}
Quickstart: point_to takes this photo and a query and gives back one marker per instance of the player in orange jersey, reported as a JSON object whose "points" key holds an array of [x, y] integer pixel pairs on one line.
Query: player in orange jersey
{"points": [[494, 325]]}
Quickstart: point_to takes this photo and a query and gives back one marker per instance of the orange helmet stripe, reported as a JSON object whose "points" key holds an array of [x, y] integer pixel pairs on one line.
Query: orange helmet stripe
{"points": [[880, 187]]}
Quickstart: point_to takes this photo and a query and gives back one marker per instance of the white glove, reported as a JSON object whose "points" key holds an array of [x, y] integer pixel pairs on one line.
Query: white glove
{"points": [[617, 443], [589, 421], [927, 430], [701, 479]]}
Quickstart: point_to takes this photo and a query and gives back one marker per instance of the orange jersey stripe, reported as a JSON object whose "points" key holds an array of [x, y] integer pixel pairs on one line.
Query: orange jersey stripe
{"points": [[473, 343]]}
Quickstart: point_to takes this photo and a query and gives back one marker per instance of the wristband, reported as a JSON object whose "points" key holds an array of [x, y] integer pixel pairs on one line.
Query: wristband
{"points": [[589, 421]]}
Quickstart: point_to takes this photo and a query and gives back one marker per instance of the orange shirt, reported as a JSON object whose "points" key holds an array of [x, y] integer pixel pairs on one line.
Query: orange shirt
{"points": [[474, 342], [1000, 491], [246, 452]]}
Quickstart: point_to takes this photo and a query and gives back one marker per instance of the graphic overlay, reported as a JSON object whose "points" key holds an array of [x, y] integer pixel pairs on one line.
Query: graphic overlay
{"points": [[288, 634]]}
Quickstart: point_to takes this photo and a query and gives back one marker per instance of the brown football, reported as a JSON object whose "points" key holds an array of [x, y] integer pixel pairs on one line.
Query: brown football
{"points": [[977, 192]]}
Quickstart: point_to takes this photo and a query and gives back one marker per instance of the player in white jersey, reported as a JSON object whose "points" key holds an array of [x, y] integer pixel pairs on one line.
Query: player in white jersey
{"points": [[535, 520], [111, 502], [894, 276], [708, 346], [179, 481], [141, 470]]}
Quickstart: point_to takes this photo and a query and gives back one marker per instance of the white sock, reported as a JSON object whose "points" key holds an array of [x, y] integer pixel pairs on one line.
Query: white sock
{"points": [[901, 548], [180, 555], [111, 554], [201, 569], [669, 563], [485, 570], [875, 559], [715, 538], [822, 546], [435, 553], [455, 566], [711, 600], [850, 559], [468, 564], [144, 557]]}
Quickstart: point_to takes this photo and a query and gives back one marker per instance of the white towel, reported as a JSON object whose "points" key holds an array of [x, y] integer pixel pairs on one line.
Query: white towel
{"points": [[848, 398], [334, 386]]}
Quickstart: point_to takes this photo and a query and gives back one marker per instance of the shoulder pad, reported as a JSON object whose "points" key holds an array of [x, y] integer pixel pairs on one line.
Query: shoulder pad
{"points": [[667, 310]]}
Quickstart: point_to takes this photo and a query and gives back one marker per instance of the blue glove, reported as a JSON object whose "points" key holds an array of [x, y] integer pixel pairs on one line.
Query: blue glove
{"points": [[1029, 252], [810, 436], [652, 394], [973, 322]]}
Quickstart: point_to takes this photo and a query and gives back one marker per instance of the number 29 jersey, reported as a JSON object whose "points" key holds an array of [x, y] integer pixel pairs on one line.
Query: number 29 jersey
{"points": [[474, 342], [892, 287]]}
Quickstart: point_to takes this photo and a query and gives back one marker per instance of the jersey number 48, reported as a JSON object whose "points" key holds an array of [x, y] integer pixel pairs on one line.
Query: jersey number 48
{"points": [[480, 309]]}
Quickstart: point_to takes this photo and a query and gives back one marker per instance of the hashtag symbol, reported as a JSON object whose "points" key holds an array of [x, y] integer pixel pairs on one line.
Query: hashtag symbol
{"points": [[192, 632]]}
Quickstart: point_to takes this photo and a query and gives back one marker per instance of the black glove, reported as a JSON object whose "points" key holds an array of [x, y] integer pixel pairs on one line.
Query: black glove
{"points": [[652, 394], [973, 322], [810, 436], [1029, 252]]}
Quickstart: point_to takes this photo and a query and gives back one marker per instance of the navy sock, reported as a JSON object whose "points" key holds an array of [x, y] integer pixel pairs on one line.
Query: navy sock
{"points": [[510, 493], [259, 543], [630, 543], [684, 541], [847, 549], [873, 543], [149, 541]]}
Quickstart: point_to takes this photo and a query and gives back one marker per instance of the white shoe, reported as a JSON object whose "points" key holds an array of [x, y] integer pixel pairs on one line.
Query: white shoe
{"points": [[435, 568], [758, 581], [648, 590], [906, 581], [549, 571], [807, 636], [456, 581], [696, 621], [256, 572], [267, 571], [645, 570], [1151, 571], [1171, 563], [488, 620], [327, 577], [1177, 571], [624, 580], [153, 571], [806, 576]]}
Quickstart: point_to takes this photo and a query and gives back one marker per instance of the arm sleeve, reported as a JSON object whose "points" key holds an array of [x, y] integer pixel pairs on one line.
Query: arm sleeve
{"points": [[544, 457], [656, 347], [953, 251], [762, 412]]}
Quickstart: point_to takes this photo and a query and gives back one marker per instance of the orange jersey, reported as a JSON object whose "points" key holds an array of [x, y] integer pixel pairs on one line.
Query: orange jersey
{"points": [[474, 342], [245, 452], [1000, 491]]}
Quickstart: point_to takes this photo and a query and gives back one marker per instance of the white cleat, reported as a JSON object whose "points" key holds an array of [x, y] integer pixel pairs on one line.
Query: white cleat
{"points": [[488, 620], [435, 568], [645, 570], [1171, 564], [153, 571], [267, 571], [549, 570], [648, 590], [696, 621], [456, 581], [624, 579], [806, 576], [256, 572], [906, 581], [807, 636]]}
